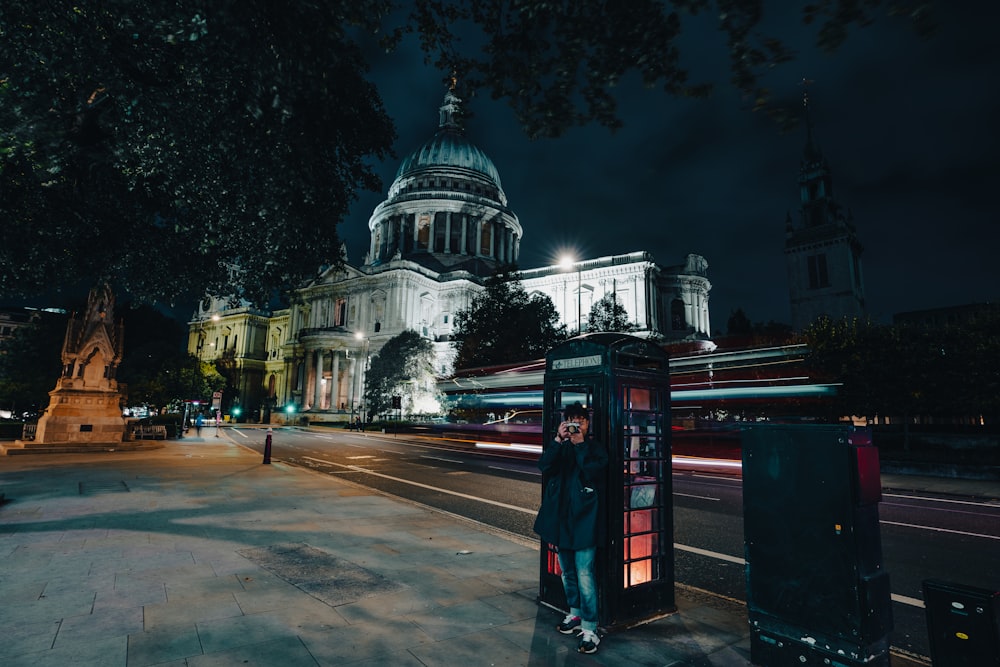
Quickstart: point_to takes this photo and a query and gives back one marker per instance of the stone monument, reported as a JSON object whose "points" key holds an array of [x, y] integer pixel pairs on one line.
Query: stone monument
{"points": [[85, 407]]}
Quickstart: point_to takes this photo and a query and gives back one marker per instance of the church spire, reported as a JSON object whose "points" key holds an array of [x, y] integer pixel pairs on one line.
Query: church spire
{"points": [[811, 151], [823, 253]]}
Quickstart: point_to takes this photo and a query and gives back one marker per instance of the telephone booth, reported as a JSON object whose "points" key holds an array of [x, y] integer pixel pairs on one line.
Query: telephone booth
{"points": [[624, 383]]}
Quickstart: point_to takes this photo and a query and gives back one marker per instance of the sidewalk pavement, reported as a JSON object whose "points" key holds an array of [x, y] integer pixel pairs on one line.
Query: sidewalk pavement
{"points": [[198, 554]]}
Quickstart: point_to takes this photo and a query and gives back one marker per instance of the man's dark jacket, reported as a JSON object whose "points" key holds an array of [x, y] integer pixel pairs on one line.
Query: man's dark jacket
{"points": [[572, 485]]}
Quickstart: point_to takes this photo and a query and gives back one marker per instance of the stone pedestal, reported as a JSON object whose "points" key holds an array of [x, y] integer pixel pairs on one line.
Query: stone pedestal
{"points": [[81, 415]]}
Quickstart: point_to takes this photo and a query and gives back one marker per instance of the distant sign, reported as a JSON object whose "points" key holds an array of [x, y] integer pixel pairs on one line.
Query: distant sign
{"points": [[576, 362], [216, 400]]}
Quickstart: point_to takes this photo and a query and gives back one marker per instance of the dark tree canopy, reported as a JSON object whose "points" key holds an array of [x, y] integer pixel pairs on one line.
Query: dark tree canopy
{"points": [[177, 147], [30, 364], [157, 144], [558, 63], [505, 325], [403, 367], [738, 324], [156, 369], [910, 371], [608, 314]]}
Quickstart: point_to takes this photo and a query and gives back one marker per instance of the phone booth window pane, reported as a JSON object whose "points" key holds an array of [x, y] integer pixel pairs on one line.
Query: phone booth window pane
{"points": [[642, 521], [567, 397], [639, 398], [642, 552]]}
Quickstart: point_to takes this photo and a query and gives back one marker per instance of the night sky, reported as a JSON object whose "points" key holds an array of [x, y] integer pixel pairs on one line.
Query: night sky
{"points": [[908, 126]]}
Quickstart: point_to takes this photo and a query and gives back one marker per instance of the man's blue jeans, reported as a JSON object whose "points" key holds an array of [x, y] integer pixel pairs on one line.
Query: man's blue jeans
{"points": [[580, 585]]}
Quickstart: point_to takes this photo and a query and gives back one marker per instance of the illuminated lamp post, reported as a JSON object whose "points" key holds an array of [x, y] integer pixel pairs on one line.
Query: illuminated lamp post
{"points": [[567, 263], [289, 411]]}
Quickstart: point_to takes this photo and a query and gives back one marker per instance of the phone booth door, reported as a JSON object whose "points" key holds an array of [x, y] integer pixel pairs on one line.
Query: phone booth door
{"points": [[585, 392], [646, 568]]}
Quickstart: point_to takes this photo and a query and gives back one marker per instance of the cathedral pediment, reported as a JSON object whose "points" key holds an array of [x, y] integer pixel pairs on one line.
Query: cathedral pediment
{"points": [[333, 275]]}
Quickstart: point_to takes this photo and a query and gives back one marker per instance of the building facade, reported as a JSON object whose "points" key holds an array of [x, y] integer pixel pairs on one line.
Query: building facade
{"points": [[444, 227]]}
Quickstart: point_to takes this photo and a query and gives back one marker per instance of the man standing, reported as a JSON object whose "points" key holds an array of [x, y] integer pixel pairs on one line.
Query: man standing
{"points": [[570, 518]]}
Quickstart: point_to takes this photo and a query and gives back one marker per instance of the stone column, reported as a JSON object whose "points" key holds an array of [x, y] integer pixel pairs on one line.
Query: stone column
{"points": [[464, 220], [332, 389], [317, 389], [335, 381], [447, 232]]}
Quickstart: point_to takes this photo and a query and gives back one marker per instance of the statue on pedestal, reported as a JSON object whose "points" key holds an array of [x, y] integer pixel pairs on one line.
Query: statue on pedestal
{"points": [[85, 406]]}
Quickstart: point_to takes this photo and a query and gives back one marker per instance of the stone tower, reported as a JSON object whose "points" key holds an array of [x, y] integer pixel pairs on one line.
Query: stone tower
{"points": [[822, 250]]}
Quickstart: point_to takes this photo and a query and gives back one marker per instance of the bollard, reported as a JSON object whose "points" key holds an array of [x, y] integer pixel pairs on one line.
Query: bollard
{"points": [[267, 447]]}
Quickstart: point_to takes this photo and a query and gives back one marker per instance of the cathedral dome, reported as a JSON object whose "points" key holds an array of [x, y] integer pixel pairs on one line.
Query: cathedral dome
{"points": [[449, 148], [445, 209]]}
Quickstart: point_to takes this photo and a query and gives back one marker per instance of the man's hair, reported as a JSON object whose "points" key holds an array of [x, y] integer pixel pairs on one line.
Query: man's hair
{"points": [[576, 410]]}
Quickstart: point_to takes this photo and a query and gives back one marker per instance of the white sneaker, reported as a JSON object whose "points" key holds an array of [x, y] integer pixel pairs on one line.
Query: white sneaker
{"points": [[588, 642]]}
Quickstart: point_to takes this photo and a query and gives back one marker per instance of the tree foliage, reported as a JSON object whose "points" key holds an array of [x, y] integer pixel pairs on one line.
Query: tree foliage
{"points": [[908, 371], [156, 368], [177, 147], [158, 145], [30, 364], [558, 64], [503, 324], [404, 367], [608, 314], [738, 324]]}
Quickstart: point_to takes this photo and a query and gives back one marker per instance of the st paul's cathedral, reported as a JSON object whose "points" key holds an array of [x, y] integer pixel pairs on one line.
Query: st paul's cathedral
{"points": [[444, 227]]}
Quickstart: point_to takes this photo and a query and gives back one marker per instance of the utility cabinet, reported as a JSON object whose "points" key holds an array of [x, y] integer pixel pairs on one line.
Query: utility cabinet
{"points": [[817, 592], [963, 624]]}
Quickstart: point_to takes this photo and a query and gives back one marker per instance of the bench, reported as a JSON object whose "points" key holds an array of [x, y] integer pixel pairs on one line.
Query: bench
{"points": [[150, 432]]}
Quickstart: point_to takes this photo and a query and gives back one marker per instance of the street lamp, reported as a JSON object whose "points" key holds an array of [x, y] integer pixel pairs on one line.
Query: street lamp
{"points": [[567, 263], [364, 373]]}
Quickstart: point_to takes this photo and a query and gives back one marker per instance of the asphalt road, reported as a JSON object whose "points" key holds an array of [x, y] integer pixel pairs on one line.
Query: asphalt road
{"points": [[922, 536]]}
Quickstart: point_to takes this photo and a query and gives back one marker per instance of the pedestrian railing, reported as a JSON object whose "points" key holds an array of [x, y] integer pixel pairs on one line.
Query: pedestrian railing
{"points": [[29, 432]]}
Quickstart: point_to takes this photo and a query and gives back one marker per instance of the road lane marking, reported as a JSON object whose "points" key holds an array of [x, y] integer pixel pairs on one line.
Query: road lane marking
{"points": [[913, 602], [710, 554], [690, 495], [520, 472], [440, 458], [992, 505], [941, 530], [426, 486], [361, 456]]}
